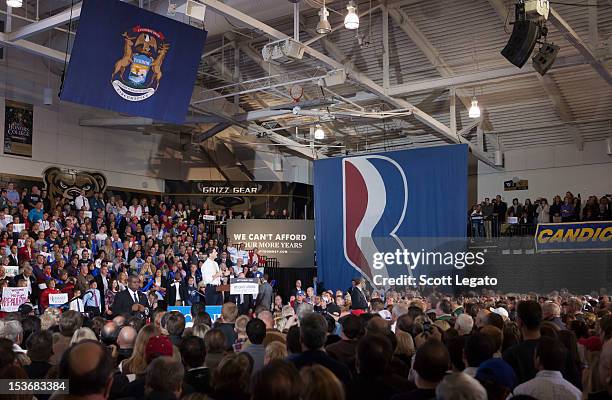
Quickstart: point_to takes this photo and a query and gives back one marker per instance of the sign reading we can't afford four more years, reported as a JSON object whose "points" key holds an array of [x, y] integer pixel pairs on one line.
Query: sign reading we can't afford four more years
{"points": [[291, 242]]}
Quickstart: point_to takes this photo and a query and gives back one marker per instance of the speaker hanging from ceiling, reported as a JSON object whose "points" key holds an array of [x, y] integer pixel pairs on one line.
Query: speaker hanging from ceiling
{"points": [[525, 34]]}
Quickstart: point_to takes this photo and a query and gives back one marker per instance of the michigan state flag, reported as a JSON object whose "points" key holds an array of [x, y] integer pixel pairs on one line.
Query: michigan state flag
{"points": [[133, 61]]}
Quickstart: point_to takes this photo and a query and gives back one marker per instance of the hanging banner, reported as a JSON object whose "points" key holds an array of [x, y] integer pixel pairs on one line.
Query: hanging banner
{"points": [[574, 236], [13, 297], [291, 242], [133, 61], [18, 128], [368, 206]]}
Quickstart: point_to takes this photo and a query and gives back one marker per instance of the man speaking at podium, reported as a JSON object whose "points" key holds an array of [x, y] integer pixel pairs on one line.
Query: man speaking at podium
{"points": [[211, 275]]}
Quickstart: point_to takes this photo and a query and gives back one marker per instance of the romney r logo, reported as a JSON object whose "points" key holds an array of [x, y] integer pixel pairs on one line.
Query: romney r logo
{"points": [[375, 199]]}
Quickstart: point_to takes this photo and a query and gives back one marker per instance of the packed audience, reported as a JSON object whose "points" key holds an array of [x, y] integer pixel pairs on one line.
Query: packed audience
{"points": [[117, 337], [494, 217]]}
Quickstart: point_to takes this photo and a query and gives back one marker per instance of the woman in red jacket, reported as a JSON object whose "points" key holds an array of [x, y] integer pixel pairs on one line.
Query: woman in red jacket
{"points": [[26, 253], [43, 301]]}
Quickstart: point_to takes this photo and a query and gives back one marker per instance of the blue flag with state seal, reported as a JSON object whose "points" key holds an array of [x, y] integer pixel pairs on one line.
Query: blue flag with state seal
{"points": [[384, 202], [133, 61]]}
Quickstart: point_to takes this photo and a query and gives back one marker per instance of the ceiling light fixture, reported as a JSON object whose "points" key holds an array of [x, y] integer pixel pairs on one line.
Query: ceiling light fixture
{"points": [[319, 133], [474, 109], [351, 21], [14, 3], [323, 27]]}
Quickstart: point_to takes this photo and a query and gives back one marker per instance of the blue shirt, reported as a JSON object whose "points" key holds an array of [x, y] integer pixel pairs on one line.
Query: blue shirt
{"points": [[35, 215], [92, 298]]}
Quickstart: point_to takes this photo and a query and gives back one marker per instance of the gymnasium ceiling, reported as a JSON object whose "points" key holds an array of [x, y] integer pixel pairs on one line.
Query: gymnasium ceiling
{"points": [[438, 50]]}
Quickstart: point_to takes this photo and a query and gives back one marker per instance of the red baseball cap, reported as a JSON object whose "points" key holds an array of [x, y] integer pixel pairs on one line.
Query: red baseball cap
{"points": [[358, 312], [158, 346]]}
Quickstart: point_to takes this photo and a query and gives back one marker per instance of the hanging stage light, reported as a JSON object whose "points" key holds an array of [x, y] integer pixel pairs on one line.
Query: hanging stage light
{"points": [[474, 111], [323, 27], [319, 133], [351, 21]]}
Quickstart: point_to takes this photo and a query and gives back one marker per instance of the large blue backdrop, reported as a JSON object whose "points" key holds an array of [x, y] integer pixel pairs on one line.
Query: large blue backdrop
{"points": [[367, 204], [134, 61]]}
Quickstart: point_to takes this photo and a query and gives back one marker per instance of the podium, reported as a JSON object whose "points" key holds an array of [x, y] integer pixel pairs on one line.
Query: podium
{"points": [[223, 288]]}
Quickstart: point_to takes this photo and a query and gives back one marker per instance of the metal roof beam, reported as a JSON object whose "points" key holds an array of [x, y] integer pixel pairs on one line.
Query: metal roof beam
{"points": [[33, 48], [406, 24], [561, 107], [479, 77], [357, 76], [46, 24], [572, 37], [218, 128]]}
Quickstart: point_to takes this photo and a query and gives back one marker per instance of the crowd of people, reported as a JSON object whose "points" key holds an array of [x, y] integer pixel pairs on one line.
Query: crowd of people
{"points": [[351, 345], [494, 217], [124, 268]]}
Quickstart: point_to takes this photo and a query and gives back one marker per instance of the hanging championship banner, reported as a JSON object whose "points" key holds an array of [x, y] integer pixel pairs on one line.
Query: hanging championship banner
{"points": [[18, 128], [134, 61]]}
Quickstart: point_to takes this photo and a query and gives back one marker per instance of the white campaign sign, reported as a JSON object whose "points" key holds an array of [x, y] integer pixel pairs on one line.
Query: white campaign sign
{"points": [[244, 286], [13, 297], [11, 270], [57, 299]]}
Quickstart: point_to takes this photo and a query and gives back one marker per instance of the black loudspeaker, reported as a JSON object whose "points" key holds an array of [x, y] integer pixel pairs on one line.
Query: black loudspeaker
{"points": [[544, 58], [521, 43]]}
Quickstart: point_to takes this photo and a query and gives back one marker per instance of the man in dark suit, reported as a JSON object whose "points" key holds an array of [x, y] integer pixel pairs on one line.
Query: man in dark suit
{"points": [[313, 333], [131, 300], [345, 350], [103, 281], [358, 298], [13, 256], [266, 294], [176, 287]]}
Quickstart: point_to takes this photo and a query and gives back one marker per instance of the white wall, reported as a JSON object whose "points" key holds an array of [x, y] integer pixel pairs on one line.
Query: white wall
{"points": [[550, 171]]}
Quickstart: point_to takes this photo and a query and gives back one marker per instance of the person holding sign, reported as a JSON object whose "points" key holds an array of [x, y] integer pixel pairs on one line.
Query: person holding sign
{"points": [[211, 275], [43, 301]]}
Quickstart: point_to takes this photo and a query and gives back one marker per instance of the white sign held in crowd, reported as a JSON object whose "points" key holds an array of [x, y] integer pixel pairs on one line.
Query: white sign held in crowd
{"points": [[244, 286], [13, 297], [58, 299], [11, 270], [17, 228]]}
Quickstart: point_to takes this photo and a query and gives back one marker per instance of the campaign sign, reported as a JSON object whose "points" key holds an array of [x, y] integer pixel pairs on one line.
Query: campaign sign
{"points": [[11, 270], [291, 242], [244, 286], [213, 311], [131, 60], [367, 204], [574, 236], [58, 299], [13, 297]]}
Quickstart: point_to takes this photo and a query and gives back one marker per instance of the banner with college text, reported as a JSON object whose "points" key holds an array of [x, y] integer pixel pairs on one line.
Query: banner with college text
{"points": [[574, 236], [133, 61], [291, 242], [18, 128]]}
